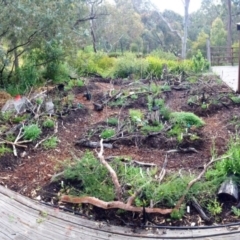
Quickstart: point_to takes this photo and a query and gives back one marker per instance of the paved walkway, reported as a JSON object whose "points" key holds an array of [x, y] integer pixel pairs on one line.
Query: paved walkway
{"points": [[229, 74]]}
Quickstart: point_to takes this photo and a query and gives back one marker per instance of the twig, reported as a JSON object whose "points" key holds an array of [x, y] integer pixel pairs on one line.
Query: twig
{"points": [[163, 171], [111, 171], [110, 205], [190, 184], [43, 140]]}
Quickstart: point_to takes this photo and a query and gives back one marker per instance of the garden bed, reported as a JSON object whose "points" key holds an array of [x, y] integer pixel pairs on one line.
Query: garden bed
{"points": [[144, 134]]}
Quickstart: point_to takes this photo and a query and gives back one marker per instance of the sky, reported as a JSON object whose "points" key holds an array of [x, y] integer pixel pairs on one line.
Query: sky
{"points": [[177, 5]]}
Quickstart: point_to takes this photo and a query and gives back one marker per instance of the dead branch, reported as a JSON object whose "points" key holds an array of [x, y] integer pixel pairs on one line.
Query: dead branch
{"points": [[111, 205], [184, 150], [111, 171], [90, 144], [190, 184], [43, 140], [163, 171], [200, 210]]}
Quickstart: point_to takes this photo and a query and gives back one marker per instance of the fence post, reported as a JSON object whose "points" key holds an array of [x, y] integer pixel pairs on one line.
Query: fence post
{"points": [[209, 51]]}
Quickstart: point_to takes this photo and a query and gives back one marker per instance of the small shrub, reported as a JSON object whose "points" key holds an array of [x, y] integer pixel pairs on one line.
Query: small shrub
{"points": [[94, 177], [4, 150], [235, 99], [112, 121], [48, 123], [186, 119], [214, 207], [177, 214], [199, 63], [107, 133], [31, 132], [236, 211], [50, 143], [128, 65], [147, 128], [136, 115]]}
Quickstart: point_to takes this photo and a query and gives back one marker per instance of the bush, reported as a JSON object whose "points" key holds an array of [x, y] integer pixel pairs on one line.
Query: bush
{"points": [[199, 63], [31, 132], [136, 115], [50, 143], [107, 133], [129, 65], [94, 178], [186, 119], [48, 123]]}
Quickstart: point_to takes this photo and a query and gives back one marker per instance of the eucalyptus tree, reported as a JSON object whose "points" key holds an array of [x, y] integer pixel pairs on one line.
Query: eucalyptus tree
{"points": [[28, 25]]}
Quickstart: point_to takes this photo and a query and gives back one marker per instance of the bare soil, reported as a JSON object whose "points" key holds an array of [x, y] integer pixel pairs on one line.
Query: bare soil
{"points": [[30, 175]]}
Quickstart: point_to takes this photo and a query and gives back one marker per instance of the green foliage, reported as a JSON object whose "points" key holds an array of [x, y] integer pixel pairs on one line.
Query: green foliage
{"points": [[18, 119], [107, 133], [218, 33], [48, 123], [200, 43], [199, 63], [94, 177], [236, 211], [214, 207], [186, 119], [159, 53], [147, 128], [112, 121], [235, 99], [177, 214], [231, 165], [136, 115], [50, 143], [6, 116], [129, 65], [31, 132], [4, 150]]}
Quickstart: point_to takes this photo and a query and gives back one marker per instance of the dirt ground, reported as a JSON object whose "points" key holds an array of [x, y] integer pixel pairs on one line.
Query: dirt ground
{"points": [[28, 174]]}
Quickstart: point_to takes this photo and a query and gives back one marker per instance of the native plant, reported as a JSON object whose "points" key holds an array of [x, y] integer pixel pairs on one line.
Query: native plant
{"points": [[186, 119], [31, 132], [107, 133], [48, 123], [50, 143]]}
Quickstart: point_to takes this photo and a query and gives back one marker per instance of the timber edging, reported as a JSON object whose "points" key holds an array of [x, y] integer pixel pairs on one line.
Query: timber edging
{"points": [[23, 218]]}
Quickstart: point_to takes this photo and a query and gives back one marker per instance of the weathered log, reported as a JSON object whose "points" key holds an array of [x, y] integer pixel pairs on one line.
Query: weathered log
{"points": [[200, 210], [90, 144]]}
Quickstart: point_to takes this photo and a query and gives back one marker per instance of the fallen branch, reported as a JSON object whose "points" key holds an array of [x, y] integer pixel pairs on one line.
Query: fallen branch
{"points": [[111, 171], [163, 171], [184, 150], [190, 184], [90, 144], [200, 210], [111, 205]]}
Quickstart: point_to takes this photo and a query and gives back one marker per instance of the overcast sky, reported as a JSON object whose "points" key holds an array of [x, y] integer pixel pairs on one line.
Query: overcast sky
{"points": [[177, 5]]}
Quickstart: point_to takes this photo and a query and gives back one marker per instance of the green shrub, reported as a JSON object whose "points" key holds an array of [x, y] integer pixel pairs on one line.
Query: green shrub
{"points": [[147, 128], [107, 133], [31, 132], [199, 63], [186, 119], [214, 207], [50, 143], [48, 123], [129, 65], [112, 121], [4, 150], [94, 177], [136, 115], [159, 53]]}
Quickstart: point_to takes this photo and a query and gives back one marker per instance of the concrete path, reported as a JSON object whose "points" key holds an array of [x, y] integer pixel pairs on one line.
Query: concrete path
{"points": [[229, 74]]}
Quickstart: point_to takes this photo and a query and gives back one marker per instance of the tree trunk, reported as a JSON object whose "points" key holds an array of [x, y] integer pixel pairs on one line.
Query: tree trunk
{"points": [[229, 30], [185, 28]]}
